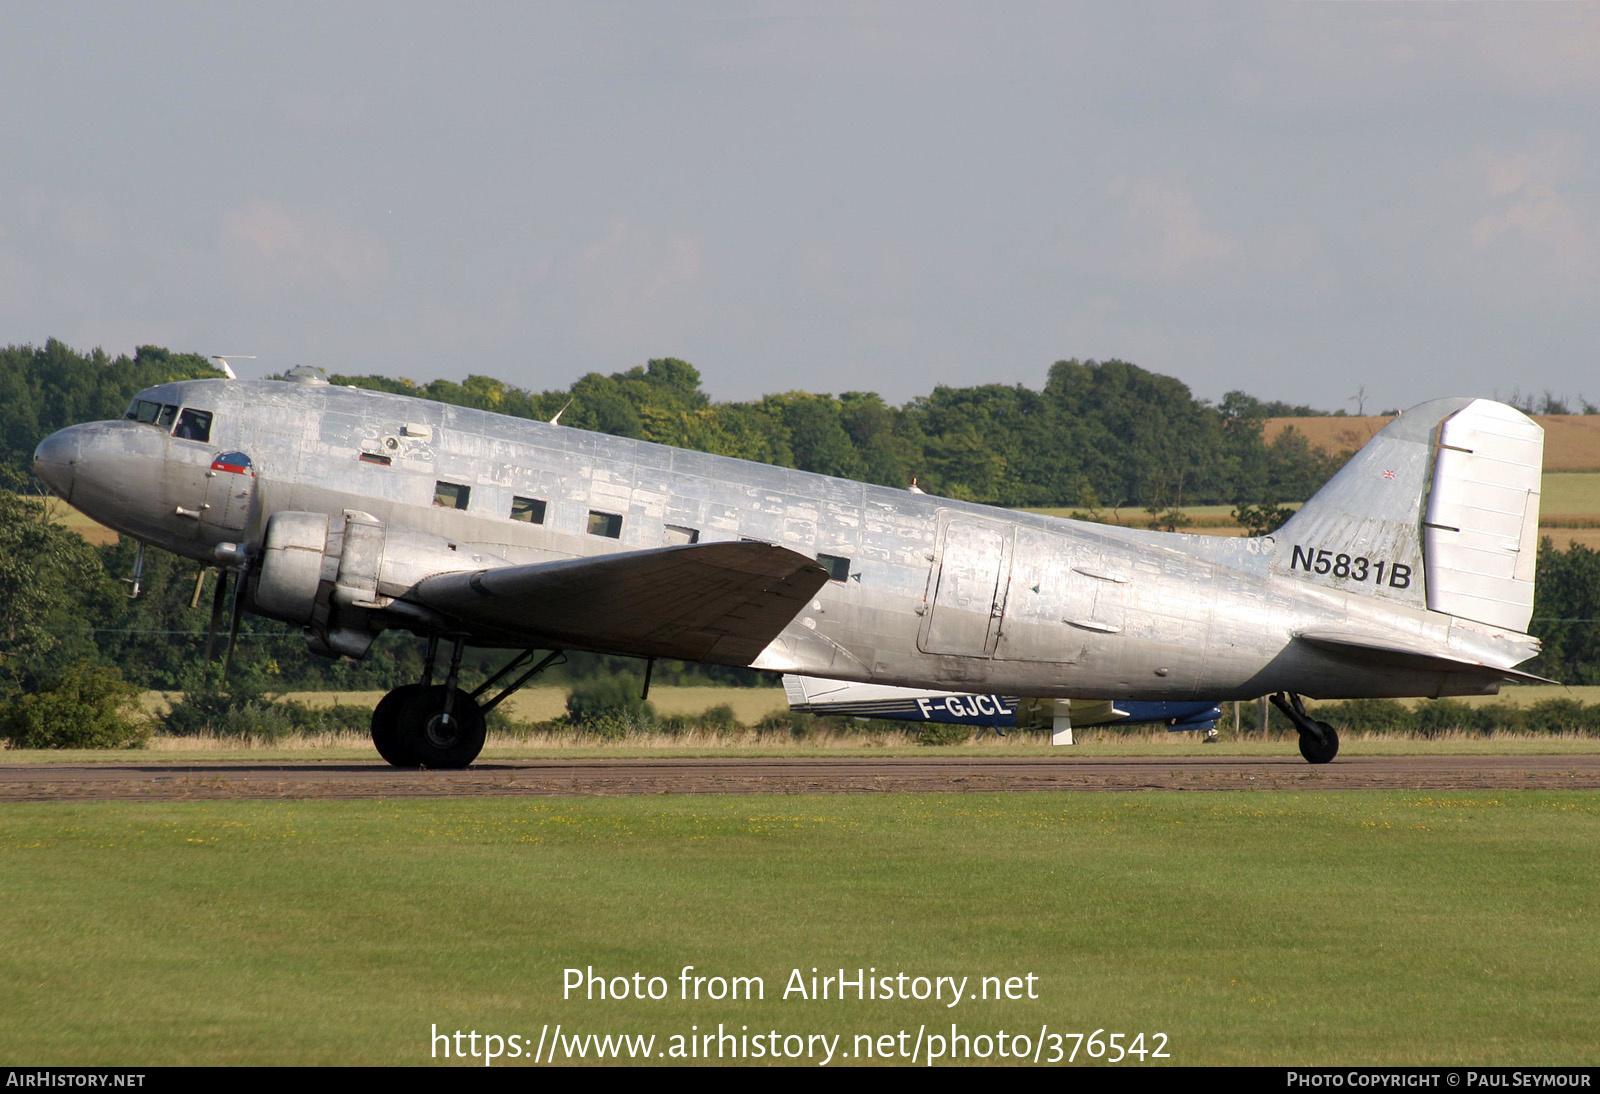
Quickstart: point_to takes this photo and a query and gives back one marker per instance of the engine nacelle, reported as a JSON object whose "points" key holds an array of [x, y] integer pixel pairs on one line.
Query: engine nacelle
{"points": [[333, 574]]}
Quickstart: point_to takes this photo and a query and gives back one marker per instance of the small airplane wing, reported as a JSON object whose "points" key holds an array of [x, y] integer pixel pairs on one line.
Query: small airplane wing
{"points": [[721, 602], [1388, 652]]}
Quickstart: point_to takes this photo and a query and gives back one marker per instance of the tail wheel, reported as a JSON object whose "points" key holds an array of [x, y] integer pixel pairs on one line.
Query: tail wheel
{"points": [[386, 727], [1319, 752], [435, 739]]}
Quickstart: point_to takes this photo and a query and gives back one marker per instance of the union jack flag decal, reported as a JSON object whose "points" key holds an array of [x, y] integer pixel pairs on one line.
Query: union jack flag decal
{"points": [[1388, 474], [235, 463]]}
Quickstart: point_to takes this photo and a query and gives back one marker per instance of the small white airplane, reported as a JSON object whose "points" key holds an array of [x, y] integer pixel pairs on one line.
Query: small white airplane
{"points": [[815, 695]]}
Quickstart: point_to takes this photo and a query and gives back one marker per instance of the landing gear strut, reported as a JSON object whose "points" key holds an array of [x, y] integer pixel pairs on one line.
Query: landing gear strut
{"points": [[1319, 742], [439, 725]]}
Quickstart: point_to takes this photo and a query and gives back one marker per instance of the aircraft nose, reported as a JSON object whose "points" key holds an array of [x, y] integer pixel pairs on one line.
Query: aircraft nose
{"points": [[55, 459]]}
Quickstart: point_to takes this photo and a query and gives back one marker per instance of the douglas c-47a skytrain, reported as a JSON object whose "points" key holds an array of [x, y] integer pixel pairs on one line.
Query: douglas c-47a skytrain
{"points": [[350, 511]]}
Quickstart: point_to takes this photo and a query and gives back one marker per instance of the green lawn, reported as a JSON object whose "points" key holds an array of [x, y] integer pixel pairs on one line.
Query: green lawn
{"points": [[1395, 927]]}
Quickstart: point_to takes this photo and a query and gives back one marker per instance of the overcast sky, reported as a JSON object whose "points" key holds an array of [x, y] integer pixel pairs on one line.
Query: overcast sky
{"points": [[1295, 199]]}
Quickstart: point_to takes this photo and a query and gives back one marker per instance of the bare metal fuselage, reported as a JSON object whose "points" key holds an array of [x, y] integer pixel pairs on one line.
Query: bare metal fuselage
{"points": [[938, 593]]}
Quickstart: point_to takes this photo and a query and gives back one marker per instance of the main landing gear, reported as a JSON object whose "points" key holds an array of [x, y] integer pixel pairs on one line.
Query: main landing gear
{"points": [[439, 725], [1319, 743]]}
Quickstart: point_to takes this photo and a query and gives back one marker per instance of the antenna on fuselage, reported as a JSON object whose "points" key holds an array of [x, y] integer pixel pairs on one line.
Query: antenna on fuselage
{"points": [[557, 419], [227, 369]]}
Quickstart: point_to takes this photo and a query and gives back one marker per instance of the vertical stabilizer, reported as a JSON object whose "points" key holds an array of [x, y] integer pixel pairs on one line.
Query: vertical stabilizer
{"points": [[1481, 532], [1439, 510], [1362, 532]]}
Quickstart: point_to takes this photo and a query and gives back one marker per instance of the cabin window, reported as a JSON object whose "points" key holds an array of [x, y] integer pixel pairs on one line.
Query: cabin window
{"points": [[193, 425], [528, 510], [449, 495], [374, 457], [676, 535], [838, 568], [605, 524]]}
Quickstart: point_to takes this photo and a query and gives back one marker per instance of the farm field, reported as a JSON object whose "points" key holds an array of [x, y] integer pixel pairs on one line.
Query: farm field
{"points": [[1569, 511], [1571, 441], [1449, 928]]}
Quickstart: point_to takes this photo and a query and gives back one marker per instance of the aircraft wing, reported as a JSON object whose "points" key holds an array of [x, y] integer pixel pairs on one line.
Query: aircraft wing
{"points": [[721, 602], [1387, 652]]}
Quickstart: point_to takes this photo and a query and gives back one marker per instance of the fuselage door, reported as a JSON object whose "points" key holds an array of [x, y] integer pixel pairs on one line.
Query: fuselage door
{"points": [[1045, 598], [963, 613]]}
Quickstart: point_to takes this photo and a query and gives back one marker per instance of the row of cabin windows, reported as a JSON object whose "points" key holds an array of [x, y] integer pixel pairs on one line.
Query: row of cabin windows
{"points": [[451, 495], [191, 424]]}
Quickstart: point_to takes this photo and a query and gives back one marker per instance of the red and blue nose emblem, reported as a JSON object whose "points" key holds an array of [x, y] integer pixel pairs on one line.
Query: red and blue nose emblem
{"points": [[236, 463]]}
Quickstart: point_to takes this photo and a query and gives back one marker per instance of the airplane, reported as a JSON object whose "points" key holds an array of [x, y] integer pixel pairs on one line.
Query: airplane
{"points": [[817, 695], [349, 511]]}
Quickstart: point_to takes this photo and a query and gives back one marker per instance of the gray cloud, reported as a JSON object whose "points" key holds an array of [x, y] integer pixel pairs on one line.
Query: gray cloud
{"points": [[1295, 199]]}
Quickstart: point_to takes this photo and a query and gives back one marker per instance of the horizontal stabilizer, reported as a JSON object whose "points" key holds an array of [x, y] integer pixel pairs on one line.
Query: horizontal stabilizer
{"points": [[719, 602], [1386, 652]]}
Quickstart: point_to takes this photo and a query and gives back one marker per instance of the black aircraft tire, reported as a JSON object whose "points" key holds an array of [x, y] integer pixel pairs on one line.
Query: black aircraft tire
{"points": [[386, 727], [435, 743], [1323, 751]]}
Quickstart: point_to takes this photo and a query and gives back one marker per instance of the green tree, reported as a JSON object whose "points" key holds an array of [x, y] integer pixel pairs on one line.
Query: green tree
{"points": [[86, 706], [1566, 607], [50, 581], [816, 433]]}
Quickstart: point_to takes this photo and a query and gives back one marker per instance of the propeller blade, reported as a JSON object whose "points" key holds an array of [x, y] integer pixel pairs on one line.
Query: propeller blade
{"points": [[219, 597], [233, 630]]}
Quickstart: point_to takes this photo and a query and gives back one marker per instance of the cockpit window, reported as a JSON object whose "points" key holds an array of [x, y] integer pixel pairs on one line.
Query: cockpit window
{"points": [[168, 413], [193, 425], [143, 411]]}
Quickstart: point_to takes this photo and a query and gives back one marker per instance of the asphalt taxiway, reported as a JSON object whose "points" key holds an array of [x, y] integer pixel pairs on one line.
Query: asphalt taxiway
{"points": [[177, 780]]}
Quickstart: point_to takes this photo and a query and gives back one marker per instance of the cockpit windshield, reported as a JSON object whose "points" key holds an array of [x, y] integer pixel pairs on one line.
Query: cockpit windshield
{"points": [[145, 411], [192, 424]]}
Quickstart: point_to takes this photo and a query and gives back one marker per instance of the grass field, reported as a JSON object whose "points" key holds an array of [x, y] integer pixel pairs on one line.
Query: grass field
{"points": [[1393, 927]]}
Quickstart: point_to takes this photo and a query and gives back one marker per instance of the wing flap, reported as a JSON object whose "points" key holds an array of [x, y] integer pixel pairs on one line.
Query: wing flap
{"points": [[721, 602], [1389, 653]]}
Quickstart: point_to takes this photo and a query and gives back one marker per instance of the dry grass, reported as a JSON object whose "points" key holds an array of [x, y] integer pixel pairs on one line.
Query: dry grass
{"points": [[59, 512], [1565, 538], [1570, 496], [698, 742], [543, 704], [1518, 695]]}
